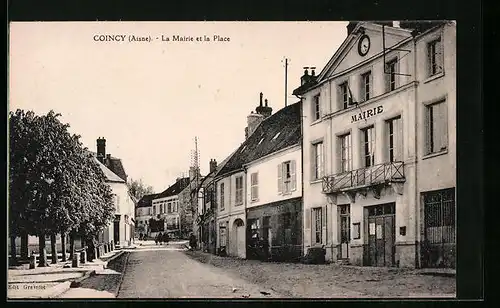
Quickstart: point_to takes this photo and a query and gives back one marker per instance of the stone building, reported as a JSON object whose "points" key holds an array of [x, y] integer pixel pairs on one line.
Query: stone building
{"points": [[380, 147]]}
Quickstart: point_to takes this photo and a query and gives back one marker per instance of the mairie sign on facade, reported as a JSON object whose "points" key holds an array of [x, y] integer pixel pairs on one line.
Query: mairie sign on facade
{"points": [[367, 114]]}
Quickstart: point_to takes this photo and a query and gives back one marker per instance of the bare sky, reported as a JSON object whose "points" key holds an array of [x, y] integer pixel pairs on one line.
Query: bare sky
{"points": [[150, 99]]}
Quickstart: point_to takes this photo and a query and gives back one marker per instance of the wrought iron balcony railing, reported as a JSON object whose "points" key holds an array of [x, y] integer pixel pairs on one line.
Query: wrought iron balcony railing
{"points": [[362, 177]]}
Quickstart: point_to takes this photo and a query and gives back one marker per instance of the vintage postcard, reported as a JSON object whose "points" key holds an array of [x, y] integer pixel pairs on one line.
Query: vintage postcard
{"points": [[233, 160]]}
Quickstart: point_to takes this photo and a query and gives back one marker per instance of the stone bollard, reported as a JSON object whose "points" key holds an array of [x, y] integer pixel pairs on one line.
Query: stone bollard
{"points": [[83, 256], [75, 260], [32, 260]]}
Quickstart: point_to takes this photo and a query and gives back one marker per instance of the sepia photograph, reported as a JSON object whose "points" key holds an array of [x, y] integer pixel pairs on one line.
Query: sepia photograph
{"points": [[232, 160]]}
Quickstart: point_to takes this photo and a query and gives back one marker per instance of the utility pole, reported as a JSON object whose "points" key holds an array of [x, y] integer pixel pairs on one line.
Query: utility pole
{"points": [[286, 78]]}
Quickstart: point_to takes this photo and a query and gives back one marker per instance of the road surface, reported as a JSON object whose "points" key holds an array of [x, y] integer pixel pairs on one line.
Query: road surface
{"points": [[168, 273]]}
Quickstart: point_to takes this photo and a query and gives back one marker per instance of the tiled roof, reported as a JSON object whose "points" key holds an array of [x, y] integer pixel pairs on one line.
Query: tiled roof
{"points": [[116, 165], [146, 200], [110, 175], [275, 133], [175, 189]]}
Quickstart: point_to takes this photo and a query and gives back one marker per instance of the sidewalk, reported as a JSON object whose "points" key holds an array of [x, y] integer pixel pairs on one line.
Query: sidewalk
{"points": [[334, 280], [48, 282]]}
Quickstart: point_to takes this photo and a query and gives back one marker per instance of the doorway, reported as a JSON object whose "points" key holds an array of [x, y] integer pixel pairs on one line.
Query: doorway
{"points": [[381, 234], [344, 223], [116, 230], [239, 238]]}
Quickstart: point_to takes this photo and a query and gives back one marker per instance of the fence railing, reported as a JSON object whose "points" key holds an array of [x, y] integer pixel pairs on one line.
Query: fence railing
{"points": [[393, 171]]}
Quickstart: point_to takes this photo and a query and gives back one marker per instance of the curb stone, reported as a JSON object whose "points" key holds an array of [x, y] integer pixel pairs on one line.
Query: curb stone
{"points": [[112, 258], [77, 282], [117, 289]]}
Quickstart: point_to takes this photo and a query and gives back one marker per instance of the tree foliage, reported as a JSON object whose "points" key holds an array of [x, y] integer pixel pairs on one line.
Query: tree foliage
{"points": [[55, 185], [138, 189]]}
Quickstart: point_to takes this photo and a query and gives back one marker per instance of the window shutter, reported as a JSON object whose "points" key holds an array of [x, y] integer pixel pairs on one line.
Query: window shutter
{"points": [[293, 166], [439, 56], [313, 162], [387, 78], [398, 140], [428, 132], [280, 178], [441, 126]]}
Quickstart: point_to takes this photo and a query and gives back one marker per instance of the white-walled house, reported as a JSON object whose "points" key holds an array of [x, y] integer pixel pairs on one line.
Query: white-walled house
{"points": [[143, 213], [274, 188], [259, 189], [379, 147]]}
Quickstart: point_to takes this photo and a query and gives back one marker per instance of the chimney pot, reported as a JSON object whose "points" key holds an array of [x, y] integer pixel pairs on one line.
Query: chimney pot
{"points": [[261, 95], [265, 101]]}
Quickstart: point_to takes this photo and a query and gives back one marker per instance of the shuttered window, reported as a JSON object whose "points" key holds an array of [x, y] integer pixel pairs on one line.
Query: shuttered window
{"points": [[287, 177], [395, 139], [254, 182], [239, 190], [434, 57], [222, 196], [436, 127]]}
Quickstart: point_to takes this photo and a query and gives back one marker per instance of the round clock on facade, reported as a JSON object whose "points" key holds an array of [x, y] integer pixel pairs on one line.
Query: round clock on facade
{"points": [[363, 45]]}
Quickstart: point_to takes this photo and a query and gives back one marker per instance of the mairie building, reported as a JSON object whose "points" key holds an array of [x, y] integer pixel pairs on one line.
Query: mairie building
{"points": [[379, 147]]}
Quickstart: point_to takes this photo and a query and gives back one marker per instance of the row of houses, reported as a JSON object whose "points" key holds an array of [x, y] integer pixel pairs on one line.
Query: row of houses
{"points": [[363, 165], [169, 211]]}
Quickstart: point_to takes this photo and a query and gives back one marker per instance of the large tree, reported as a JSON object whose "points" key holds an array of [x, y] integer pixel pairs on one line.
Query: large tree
{"points": [[138, 189], [53, 183]]}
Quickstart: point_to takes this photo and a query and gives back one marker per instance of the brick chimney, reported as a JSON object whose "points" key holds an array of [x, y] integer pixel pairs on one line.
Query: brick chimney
{"points": [[264, 110], [101, 149], [213, 165]]}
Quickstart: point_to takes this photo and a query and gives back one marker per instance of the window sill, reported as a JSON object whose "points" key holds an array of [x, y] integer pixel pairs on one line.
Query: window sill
{"points": [[316, 181], [254, 201], [434, 77], [238, 204], [442, 152]]}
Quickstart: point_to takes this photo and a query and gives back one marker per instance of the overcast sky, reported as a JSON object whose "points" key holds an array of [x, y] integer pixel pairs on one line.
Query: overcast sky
{"points": [[150, 99]]}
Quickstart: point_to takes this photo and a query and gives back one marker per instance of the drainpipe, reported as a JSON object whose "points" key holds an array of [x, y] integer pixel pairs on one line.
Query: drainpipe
{"points": [[417, 199], [245, 191], [302, 170]]}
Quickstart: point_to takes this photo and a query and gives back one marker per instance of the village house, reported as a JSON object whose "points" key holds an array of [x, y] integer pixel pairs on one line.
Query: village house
{"points": [[122, 230], [143, 214], [174, 207], [230, 190], [273, 186], [206, 209], [380, 147]]}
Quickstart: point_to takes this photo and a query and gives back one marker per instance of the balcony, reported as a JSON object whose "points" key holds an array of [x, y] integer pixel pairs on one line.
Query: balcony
{"points": [[387, 173]]}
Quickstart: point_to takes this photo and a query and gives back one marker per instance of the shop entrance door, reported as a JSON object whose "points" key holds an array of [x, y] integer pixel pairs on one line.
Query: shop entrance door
{"points": [[381, 235]]}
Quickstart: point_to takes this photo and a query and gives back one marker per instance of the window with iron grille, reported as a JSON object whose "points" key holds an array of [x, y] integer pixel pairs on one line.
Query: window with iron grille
{"points": [[369, 146], [317, 108], [366, 84], [239, 190], [344, 95], [395, 139], [318, 225], [436, 127], [435, 57], [391, 71], [439, 216], [345, 153]]}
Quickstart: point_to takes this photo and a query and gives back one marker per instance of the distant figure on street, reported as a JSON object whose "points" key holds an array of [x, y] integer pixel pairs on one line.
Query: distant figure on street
{"points": [[165, 238], [192, 241], [160, 238]]}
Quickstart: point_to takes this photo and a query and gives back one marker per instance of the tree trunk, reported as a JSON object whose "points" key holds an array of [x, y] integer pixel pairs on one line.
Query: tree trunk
{"points": [[42, 262], [71, 244], [63, 246], [24, 246], [13, 252], [53, 248]]}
